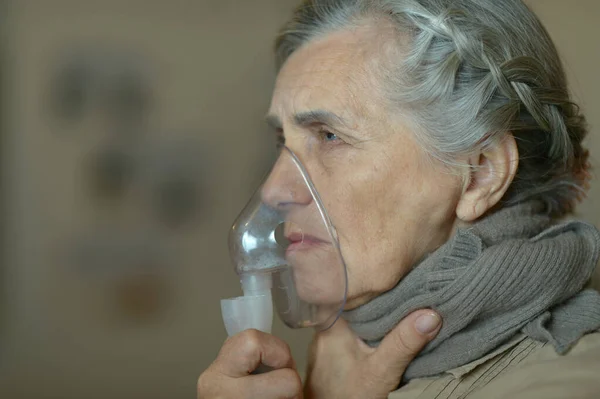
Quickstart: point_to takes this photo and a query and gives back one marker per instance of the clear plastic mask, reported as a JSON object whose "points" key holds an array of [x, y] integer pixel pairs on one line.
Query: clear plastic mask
{"points": [[287, 255]]}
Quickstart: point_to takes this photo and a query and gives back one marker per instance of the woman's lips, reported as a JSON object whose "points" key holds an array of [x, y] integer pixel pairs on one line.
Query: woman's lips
{"points": [[299, 241]]}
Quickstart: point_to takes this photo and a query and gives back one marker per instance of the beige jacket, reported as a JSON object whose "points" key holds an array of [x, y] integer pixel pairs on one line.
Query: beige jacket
{"points": [[521, 369]]}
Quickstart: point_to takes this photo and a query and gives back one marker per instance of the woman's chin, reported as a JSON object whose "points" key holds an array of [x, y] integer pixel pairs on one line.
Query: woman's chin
{"points": [[319, 292], [319, 276]]}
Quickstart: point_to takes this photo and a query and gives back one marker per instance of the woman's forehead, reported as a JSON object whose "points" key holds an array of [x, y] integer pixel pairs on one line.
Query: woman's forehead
{"points": [[333, 74]]}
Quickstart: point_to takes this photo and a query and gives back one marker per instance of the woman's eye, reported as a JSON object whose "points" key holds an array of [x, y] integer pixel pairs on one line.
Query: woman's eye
{"points": [[328, 136]]}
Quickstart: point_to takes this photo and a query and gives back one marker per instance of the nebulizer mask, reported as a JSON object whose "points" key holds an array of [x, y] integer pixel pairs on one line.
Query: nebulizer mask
{"points": [[286, 255]]}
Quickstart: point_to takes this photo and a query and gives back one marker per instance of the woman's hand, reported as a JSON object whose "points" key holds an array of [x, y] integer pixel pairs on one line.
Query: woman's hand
{"points": [[342, 366], [230, 374]]}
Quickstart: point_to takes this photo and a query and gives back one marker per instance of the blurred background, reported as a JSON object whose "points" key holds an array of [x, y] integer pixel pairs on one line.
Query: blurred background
{"points": [[132, 135]]}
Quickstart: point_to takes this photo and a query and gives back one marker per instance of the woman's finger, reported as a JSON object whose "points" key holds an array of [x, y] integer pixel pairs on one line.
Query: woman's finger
{"points": [[406, 340], [246, 351], [282, 383]]}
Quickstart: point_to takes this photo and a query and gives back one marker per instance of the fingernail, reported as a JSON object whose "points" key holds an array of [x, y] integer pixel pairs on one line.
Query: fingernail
{"points": [[427, 323]]}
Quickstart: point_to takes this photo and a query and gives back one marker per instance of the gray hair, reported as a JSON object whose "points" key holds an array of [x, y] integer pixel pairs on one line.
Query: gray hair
{"points": [[474, 70]]}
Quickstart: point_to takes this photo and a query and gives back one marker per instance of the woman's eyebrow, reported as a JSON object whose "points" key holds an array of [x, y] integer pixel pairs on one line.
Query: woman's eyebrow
{"points": [[319, 116], [308, 118]]}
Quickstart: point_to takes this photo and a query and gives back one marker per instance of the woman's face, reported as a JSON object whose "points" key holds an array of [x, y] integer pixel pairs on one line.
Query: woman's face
{"points": [[390, 203]]}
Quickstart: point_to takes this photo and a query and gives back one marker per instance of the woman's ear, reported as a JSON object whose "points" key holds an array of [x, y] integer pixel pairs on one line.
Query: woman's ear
{"points": [[491, 173]]}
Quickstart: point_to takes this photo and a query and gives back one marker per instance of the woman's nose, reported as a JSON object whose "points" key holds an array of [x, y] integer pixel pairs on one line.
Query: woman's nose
{"points": [[285, 185]]}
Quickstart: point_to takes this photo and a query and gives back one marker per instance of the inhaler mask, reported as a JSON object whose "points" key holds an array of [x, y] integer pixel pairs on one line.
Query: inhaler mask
{"points": [[286, 254]]}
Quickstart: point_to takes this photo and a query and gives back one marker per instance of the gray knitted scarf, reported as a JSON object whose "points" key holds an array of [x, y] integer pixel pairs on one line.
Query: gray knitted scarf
{"points": [[513, 272]]}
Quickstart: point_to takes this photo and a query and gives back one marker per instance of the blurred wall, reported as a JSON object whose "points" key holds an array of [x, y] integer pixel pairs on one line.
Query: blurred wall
{"points": [[106, 292], [575, 27], [104, 299]]}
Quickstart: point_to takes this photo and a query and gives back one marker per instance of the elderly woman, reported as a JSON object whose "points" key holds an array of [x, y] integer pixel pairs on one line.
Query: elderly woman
{"points": [[446, 148]]}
